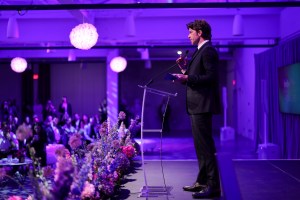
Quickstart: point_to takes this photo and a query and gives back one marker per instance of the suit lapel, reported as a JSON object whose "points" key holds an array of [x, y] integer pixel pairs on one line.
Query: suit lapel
{"points": [[198, 51]]}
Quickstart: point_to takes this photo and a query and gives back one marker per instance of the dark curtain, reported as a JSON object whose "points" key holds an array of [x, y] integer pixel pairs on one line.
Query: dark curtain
{"points": [[44, 83], [282, 129], [27, 94]]}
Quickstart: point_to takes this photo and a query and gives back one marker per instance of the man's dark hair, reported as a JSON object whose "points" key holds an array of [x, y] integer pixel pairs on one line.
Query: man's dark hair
{"points": [[202, 25]]}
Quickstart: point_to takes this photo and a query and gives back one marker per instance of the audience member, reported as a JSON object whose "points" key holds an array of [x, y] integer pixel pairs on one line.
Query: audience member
{"points": [[103, 111], [64, 109], [48, 126], [8, 141], [39, 142], [49, 109], [76, 121], [67, 131]]}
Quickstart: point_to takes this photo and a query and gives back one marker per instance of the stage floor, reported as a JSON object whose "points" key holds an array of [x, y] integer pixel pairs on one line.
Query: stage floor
{"points": [[257, 179]]}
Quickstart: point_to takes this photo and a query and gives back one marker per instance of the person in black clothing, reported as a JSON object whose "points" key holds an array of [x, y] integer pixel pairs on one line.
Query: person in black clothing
{"points": [[200, 77], [39, 142], [49, 110]]}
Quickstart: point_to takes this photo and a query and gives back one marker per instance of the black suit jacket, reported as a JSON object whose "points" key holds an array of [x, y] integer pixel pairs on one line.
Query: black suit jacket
{"points": [[202, 85]]}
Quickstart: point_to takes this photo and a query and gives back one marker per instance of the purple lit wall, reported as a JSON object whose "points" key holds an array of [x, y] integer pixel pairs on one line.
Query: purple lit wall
{"points": [[10, 82], [83, 84], [244, 88], [289, 23]]}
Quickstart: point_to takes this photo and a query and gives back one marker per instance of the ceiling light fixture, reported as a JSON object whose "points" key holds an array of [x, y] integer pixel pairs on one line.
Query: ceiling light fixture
{"points": [[130, 25], [12, 30], [237, 26], [84, 36], [118, 64], [71, 55], [18, 64], [145, 56]]}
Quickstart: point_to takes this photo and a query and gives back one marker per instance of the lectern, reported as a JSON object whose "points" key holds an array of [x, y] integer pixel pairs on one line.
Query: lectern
{"points": [[146, 190]]}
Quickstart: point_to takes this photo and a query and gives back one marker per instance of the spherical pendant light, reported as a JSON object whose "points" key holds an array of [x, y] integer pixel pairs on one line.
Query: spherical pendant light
{"points": [[18, 64], [118, 64], [84, 36]]}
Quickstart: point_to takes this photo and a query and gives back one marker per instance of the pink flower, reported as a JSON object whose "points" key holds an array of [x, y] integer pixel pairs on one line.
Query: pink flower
{"points": [[15, 198], [29, 198], [88, 190], [75, 141], [62, 152], [129, 151]]}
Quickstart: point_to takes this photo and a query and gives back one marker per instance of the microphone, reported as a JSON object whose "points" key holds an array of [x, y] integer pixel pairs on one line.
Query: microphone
{"points": [[186, 53], [164, 71]]}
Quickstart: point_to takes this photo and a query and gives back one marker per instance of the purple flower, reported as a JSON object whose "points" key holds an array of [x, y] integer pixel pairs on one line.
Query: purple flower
{"points": [[122, 116], [116, 144]]}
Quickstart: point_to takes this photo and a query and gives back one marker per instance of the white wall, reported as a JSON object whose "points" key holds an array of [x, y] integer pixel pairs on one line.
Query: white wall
{"points": [[245, 89], [289, 22]]}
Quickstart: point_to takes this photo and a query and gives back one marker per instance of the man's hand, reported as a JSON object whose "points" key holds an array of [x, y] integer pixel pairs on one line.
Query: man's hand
{"points": [[181, 78], [182, 62]]}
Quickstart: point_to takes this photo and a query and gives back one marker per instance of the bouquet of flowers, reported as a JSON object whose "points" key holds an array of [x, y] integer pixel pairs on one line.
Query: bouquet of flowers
{"points": [[93, 171]]}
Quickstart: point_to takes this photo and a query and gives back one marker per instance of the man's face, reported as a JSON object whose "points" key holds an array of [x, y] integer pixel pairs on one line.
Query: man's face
{"points": [[194, 36]]}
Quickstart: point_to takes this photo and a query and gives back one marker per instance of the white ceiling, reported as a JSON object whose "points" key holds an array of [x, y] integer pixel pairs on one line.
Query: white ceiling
{"points": [[46, 26]]}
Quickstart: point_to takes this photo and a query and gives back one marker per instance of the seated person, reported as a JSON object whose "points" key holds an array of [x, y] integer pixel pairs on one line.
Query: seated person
{"points": [[8, 141]]}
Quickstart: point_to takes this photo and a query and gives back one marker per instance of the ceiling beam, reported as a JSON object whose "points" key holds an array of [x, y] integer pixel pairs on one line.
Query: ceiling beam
{"points": [[138, 46], [153, 5]]}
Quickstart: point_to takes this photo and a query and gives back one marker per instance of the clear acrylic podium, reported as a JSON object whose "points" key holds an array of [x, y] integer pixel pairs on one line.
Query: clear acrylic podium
{"points": [[146, 190]]}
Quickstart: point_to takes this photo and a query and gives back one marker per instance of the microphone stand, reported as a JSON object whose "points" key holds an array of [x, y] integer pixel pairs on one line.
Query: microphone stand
{"points": [[164, 71], [160, 73]]}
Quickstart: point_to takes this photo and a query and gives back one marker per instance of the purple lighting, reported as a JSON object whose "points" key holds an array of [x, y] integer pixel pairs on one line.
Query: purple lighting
{"points": [[18, 64], [118, 64], [84, 36]]}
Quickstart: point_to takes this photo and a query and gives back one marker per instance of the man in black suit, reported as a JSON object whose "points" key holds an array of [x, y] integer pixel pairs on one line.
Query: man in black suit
{"points": [[202, 101]]}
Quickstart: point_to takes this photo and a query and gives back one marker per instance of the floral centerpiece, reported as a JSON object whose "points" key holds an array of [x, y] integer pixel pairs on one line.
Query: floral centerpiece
{"points": [[89, 172]]}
